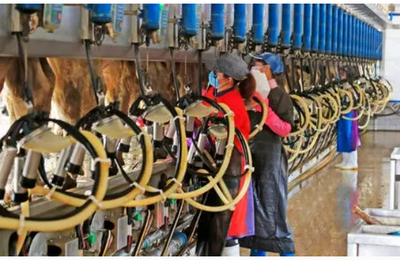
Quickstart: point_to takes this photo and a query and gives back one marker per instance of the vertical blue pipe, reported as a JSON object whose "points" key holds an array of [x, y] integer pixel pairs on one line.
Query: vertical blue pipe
{"points": [[345, 33], [307, 27], [217, 22], [258, 23], [381, 44], [28, 8], [151, 17], [286, 23], [298, 25], [363, 39], [357, 38], [355, 22], [335, 13], [350, 35], [329, 28], [239, 24], [340, 31], [369, 42], [322, 27], [315, 28], [273, 16], [189, 19]]}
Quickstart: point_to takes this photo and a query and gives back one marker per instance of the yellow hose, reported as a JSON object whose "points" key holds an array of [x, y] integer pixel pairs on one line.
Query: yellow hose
{"points": [[262, 122], [113, 203], [232, 203], [72, 221]]}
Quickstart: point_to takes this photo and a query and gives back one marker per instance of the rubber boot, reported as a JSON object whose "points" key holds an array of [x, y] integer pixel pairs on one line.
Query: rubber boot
{"points": [[345, 158], [352, 162], [231, 250]]}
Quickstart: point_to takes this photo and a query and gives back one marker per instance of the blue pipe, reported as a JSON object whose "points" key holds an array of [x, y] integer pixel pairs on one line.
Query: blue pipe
{"points": [[258, 23], [28, 8], [350, 35], [298, 26], [189, 19], [151, 17], [307, 27], [286, 20], [381, 45], [273, 25], [335, 24], [363, 39], [369, 42], [101, 13], [329, 28], [239, 24], [340, 31], [217, 22], [315, 28], [345, 33], [358, 38], [322, 27]]}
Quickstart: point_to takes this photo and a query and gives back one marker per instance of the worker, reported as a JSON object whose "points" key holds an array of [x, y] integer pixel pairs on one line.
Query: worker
{"points": [[348, 139], [270, 178], [218, 232]]}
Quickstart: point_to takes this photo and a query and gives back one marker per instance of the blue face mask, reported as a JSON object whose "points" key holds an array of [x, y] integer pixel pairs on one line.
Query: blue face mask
{"points": [[213, 80]]}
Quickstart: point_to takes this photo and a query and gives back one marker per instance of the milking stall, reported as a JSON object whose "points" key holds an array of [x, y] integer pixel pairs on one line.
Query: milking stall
{"points": [[191, 129]]}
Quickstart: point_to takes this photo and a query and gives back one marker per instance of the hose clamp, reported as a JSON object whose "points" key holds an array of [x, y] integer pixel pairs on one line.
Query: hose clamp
{"points": [[141, 188], [95, 201], [51, 193], [249, 167], [21, 224]]}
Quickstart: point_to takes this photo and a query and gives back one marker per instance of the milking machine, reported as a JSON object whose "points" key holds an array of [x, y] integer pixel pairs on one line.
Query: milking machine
{"points": [[154, 207]]}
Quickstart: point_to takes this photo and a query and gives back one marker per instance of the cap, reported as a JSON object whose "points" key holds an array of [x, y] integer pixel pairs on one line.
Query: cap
{"points": [[273, 60], [229, 64]]}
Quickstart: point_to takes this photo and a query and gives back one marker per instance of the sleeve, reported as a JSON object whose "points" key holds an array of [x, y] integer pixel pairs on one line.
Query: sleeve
{"points": [[281, 103], [277, 125]]}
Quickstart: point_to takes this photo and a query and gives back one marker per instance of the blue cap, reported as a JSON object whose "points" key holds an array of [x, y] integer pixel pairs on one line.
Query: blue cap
{"points": [[273, 60]]}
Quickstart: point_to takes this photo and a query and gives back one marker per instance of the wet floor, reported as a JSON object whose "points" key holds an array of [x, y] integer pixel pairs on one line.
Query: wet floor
{"points": [[320, 214]]}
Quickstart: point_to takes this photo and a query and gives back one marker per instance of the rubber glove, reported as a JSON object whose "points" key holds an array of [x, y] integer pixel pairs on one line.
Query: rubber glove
{"points": [[262, 85]]}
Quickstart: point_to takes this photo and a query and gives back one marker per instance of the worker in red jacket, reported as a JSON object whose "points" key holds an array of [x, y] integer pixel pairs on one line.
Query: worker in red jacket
{"points": [[215, 228]]}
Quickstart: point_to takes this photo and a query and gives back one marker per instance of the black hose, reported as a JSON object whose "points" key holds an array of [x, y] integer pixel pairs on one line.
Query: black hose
{"points": [[91, 70], [172, 230]]}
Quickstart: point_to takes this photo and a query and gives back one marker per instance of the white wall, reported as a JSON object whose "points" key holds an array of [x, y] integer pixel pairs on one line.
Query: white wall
{"points": [[391, 60]]}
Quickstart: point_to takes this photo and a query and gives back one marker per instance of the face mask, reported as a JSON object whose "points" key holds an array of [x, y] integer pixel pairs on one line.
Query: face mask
{"points": [[213, 80]]}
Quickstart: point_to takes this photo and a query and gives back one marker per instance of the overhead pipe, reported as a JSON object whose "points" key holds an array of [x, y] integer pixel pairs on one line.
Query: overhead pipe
{"points": [[189, 20], [29, 8], [258, 23], [298, 26], [335, 28], [350, 35], [345, 33], [151, 17], [363, 39], [217, 22], [340, 32], [329, 28], [239, 24], [307, 27], [101, 13], [315, 28], [322, 28], [273, 15], [286, 25]]}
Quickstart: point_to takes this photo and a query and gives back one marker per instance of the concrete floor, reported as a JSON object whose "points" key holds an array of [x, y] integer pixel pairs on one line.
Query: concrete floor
{"points": [[320, 214]]}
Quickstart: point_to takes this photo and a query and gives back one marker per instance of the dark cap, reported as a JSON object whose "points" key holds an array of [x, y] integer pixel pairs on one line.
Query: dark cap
{"points": [[231, 65]]}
